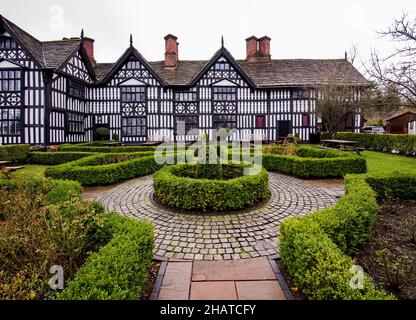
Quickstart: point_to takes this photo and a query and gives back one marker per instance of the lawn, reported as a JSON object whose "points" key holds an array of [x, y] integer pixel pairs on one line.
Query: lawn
{"points": [[31, 170], [378, 162]]}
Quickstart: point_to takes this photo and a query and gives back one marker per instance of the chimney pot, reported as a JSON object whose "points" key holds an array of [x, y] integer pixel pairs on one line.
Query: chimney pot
{"points": [[258, 49], [89, 49], [171, 51]]}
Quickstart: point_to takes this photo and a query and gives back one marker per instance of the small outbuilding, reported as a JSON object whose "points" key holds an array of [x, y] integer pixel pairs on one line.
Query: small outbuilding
{"points": [[399, 121]]}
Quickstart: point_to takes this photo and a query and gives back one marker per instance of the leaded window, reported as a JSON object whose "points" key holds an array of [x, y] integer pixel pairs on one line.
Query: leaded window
{"points": [[7, 43], [222, 66], [186, 101], [133, 94], [10, 121], [191, 122], [225, 94], [76, 89], [10, 80], [134, 126], [75, 123], [299, 94], [226, 121]]}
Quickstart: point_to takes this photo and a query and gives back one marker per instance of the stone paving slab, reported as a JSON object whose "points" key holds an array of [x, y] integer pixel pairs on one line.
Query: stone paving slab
{"points": [[177, 281], [230, 236], [213, 290], [248, 269], [259, 290]]}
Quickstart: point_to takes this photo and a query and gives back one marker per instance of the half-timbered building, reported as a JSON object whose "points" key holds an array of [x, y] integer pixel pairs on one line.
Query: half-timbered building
{"points": [[54, 92]]}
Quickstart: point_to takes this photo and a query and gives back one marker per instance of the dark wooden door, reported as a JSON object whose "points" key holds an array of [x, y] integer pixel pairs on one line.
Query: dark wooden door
{"points": [[284, 128]]}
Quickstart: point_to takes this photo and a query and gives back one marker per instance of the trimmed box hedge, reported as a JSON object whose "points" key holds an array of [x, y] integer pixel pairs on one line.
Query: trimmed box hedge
{"points": [[54, 158], [402, 143], [103, 149], [316, 248], [312, 162], [118, 271], [107, 168], [14, 153], [200, 187]]}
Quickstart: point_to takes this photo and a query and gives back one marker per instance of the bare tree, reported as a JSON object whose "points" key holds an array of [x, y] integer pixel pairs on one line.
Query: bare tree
{"points": [[398, 69], [337, 96]]}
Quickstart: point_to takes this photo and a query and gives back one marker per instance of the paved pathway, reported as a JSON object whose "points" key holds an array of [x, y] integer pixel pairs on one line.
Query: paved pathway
{"points": [[244, 279], [218, 237]]}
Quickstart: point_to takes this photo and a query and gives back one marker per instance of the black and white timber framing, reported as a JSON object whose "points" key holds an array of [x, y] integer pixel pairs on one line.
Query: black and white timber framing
{"points": [[53, 93]]}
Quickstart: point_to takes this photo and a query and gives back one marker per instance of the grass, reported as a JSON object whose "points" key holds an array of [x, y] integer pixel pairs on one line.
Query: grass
{"points": [[29, 170], [378, 162]]}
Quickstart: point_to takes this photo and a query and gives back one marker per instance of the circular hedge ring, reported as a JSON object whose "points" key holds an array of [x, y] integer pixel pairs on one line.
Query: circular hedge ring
{"points": [[210, 186]]}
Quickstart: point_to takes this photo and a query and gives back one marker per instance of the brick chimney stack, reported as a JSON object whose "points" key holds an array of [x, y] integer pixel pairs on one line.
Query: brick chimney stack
{"points": [[258, 49], [89, 49], [171, 51]]}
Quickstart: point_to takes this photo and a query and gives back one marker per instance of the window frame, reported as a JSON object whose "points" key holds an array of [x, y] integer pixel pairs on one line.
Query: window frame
{"points": [[15, 80], [216, 121], [131, 94], [74, 125], [258, 116], [187, 116], [10, 122], [125, 128], [216, 95], [75, 89], [308, 120]]}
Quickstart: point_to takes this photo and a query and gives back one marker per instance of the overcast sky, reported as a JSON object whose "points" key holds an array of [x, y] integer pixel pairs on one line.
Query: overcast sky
{"points": [[299, 29]]}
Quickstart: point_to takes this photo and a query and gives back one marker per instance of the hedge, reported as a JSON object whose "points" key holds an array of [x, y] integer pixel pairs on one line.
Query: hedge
{"points": [[105, 168], [402, 143], [118, 271], [54, 158], [14, 153], [316, 248], [188, 193], [99, 149], [315, 163]]}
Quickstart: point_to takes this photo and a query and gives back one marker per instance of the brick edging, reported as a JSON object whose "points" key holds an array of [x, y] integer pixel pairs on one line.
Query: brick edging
{"points": [[279, 276], [160, 275]]}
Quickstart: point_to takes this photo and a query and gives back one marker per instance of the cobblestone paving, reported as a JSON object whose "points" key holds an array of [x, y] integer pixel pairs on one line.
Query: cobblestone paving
{"points": [[218, 237]]}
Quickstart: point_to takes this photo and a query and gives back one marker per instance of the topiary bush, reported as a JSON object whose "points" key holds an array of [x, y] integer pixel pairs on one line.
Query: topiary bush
{"points": [[105, 169], [14, 153], [311, 162], [118, 270], [54, 158], [210, 187], [316, 248]]}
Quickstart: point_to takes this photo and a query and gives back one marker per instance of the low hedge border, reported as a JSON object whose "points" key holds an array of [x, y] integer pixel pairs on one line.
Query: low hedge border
{"points": [[402, 143], [107, 168], [14, 153], [103, 149], [316, 249], [315, 163], [118, 271], [54, 158], [187, 193]]}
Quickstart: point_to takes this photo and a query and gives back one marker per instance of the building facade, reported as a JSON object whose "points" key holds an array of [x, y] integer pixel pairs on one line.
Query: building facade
{"points": [[54, 92]]}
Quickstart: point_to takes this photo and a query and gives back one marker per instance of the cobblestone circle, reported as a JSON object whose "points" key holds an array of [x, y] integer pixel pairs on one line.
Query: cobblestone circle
{"points": [[217, 237]]}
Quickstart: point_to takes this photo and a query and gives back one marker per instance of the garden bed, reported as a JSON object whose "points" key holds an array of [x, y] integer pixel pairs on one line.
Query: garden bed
{"points": [[390, 255], [205, 187]]}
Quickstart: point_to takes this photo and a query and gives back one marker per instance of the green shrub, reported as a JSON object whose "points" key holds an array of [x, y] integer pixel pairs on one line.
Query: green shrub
{"points": [[401, 186], [105, 168], [312, 162], [101, 149], [102, 132], [42, 227], [403, 143], [14, 153], [53, 158], [314, 248], [317, 265], [119, 270], [202, 194]]}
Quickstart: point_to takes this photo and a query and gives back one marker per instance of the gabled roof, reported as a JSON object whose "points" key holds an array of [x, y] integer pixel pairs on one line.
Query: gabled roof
{"points": [[114, 68], [48, 54], [400, 113], [223, 52]]}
